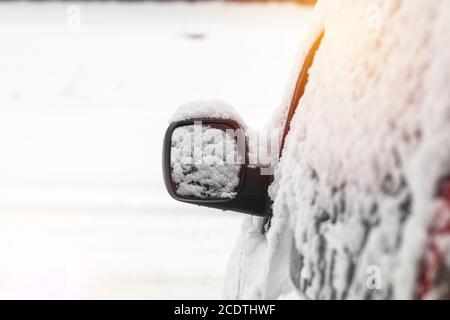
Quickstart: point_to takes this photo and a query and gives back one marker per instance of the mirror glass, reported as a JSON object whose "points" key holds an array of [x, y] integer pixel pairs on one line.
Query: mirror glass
{"points": [[206, 161]]}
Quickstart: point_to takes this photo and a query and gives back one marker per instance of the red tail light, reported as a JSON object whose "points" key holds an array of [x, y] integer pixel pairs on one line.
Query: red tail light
{"points": [[434, 254]]}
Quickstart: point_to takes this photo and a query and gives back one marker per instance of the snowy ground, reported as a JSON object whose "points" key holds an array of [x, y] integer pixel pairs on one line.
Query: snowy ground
{"points": [[83, 212]]}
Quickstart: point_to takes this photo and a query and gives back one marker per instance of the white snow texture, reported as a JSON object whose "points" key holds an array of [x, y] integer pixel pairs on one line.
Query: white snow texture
{"points": [[355, 188], [205, 162], [212, 109]]}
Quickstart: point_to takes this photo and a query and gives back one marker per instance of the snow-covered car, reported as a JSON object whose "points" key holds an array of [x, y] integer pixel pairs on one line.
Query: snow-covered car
{"points": [[358, 206]]}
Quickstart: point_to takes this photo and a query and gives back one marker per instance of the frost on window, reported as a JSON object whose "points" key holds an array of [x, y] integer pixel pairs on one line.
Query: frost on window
{"points": [[205, 162]]}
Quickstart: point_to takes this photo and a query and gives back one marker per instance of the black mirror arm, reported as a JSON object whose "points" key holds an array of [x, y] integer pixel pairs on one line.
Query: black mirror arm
{"points": [[253, 197]]}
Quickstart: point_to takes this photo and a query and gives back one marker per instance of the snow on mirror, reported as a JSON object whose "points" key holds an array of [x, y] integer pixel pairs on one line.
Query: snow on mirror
{"points": [[205, 161]]}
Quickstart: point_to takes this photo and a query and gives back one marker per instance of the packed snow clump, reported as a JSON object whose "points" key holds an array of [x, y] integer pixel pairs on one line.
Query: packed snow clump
{"points": [[205, 162], [209, 109]]}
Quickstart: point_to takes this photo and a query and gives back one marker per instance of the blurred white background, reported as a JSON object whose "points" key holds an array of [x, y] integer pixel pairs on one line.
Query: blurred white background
{"points": [[86, 90]]}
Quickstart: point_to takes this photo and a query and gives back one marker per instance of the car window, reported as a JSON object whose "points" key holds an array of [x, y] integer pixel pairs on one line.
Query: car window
{"points": [[300, 87]]}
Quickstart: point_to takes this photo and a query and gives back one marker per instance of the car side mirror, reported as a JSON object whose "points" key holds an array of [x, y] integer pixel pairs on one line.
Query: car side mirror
{"points": [[205, 162]]}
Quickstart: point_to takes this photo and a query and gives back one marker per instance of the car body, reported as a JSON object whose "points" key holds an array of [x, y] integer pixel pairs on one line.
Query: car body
{"points": [[360, 205], [356, 186]]}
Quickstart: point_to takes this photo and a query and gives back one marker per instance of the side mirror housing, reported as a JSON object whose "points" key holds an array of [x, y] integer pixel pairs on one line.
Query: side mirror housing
{"points": [[205, 162]]}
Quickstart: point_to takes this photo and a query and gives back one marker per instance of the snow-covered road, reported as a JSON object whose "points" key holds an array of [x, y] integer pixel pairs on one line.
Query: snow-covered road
{"points": [[83, 108]]}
